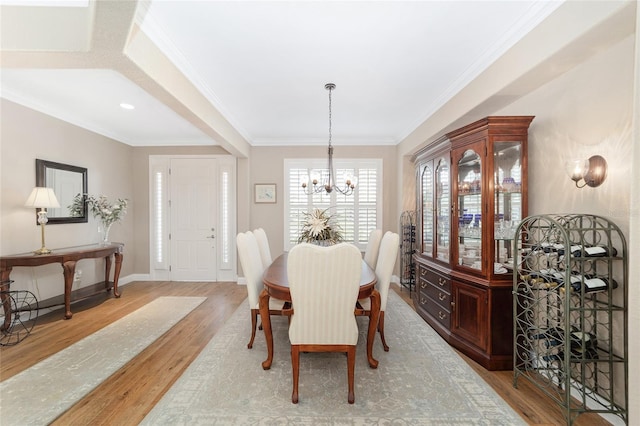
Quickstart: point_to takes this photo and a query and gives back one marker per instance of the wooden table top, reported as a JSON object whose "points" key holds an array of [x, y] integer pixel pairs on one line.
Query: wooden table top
{"points": [[61, 255]]}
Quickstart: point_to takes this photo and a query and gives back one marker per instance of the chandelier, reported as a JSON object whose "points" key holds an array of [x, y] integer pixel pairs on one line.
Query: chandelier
{"points": [[315, 183]]}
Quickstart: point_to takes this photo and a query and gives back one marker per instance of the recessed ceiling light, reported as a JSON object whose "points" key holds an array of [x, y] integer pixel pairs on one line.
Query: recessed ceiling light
{"points": [[127, 106]]}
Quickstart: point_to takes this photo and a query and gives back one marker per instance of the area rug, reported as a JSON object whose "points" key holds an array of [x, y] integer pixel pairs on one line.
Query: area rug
{"points": [[420, 381], [41, 393]]}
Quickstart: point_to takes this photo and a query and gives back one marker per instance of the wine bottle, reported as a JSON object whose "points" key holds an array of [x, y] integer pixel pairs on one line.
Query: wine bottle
{"points": [[593, 284], [594, 251], [580, 339], [553, 275], [546, 247], [599, 283], [535, 280], [600, 251], [583, 345], [543, 247], [575, 279], [575, 250], [554, 357], [555, 333], [577, 354]]}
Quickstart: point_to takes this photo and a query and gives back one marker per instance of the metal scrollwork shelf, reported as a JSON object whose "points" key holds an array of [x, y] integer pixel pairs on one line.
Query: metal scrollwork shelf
{"points": [[407, 248], [570, 312]]}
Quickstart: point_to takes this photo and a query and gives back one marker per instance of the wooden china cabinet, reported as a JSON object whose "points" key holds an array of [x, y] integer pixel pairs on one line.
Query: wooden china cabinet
{"points": [[471, 195]]}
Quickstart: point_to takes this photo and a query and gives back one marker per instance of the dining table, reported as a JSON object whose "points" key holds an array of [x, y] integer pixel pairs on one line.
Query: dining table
{"points": [[276, 284]]}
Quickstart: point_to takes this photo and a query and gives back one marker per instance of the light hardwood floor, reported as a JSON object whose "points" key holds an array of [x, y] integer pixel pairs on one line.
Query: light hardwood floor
{"points": [[127, 396]]}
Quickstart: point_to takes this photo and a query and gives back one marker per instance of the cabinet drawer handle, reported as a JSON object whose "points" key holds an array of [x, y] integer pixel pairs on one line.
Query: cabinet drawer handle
{"points": [[441, 315], [442, 296], [442, 281]]}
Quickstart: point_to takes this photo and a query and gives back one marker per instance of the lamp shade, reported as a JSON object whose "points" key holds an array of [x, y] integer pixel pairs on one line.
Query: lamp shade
{"points": [[42, 198]]}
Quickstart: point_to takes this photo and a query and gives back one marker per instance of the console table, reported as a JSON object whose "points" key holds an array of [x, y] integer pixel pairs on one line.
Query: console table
{"points": [[67, 257]]}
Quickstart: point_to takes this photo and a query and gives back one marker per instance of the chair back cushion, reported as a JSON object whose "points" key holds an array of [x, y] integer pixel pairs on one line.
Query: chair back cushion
{"points": [[324, 284], [249, 255], [263, 245], [373, 246], [386, 262]]}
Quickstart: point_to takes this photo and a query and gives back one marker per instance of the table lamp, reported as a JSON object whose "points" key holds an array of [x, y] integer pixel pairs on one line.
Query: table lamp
{"points": [[42, 198]]}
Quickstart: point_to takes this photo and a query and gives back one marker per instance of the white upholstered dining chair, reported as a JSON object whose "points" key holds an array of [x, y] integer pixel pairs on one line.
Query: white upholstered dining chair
{"points": [[263, 245], [252, 267], [373, 246], [384, 269], [324, 284]]}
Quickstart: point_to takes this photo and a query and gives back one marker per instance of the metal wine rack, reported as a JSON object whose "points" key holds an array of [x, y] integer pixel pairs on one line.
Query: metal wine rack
{"points": [[407, 248], [569, 340]]}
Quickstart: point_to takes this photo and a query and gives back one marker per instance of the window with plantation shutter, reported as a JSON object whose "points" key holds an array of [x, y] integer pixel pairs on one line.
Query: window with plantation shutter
{"points": [[357, 214]]}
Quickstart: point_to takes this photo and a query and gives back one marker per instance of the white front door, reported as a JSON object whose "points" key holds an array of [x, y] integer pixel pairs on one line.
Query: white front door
{"points": [[193, 219]]}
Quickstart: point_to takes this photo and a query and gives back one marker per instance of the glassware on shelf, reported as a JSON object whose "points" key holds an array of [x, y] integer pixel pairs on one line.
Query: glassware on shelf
{"points": [[510, 185], [442, 208], [505, 229]]}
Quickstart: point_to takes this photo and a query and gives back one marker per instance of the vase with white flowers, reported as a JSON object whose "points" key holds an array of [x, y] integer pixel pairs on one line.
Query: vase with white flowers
{"points": [[105, 211], [320, 227]]}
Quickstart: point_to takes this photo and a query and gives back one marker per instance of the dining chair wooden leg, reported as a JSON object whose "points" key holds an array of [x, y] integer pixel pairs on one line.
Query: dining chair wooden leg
{"points": [[381, 331], [295, 367], [351, 365], [254, 322]]}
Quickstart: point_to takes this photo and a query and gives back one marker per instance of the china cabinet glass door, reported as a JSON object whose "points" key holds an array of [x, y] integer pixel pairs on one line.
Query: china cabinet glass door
{"points": [[469, 209], [507, 177], [426, 184], [443, 207]]}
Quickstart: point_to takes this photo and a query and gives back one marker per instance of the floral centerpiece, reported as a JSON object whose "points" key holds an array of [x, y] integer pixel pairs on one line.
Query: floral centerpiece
{"points": [[320, 227], [102, 209]]}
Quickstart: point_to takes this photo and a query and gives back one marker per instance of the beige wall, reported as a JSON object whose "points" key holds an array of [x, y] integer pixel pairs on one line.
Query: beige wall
{"points": [[634, 239], [27, 135], [266, 165], [586, 111]]}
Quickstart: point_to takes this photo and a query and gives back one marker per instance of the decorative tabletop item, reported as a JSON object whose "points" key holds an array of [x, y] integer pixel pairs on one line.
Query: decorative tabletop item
{"points": [[102, 209], [320, 228]]}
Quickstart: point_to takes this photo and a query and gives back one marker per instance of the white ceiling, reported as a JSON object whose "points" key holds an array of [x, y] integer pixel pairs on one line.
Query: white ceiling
{"points": [[263, 65]]}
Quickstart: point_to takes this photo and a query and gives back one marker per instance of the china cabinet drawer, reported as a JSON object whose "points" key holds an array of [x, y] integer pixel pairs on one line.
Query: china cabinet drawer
{"points": [[439, 281], [427, 276], [439, 295], [443, 316], [435, 310]]}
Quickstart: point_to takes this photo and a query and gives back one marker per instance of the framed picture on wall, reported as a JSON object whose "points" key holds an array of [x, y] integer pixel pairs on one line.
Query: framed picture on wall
{"points": [[265, 193]]}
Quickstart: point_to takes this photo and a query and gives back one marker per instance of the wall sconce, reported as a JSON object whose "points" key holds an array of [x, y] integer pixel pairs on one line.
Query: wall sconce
{"points": [[592, 171]]}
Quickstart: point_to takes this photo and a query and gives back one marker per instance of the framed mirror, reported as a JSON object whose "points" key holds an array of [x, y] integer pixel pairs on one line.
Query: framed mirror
{"points": [[66, 181]]}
